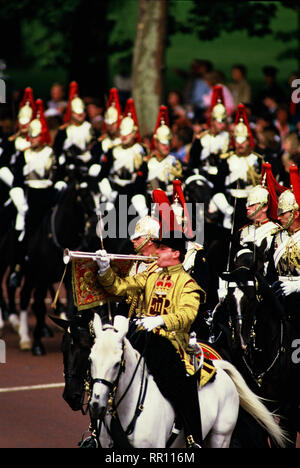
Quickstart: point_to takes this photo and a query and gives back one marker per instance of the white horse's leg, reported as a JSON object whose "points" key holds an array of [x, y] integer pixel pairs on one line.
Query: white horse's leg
{"points": [[219, 440], [219, 403], [25, 341]]}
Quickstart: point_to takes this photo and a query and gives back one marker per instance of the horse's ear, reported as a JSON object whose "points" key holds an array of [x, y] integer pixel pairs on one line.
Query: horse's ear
{"points": [[97, 323], [64, 324], [121, 324]]}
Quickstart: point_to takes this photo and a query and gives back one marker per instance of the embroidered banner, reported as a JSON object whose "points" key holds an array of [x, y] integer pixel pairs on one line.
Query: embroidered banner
{"points": [[87, 290]]}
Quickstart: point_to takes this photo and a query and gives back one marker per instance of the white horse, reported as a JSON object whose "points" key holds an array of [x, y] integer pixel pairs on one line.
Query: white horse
{"points": [[117, 371]]}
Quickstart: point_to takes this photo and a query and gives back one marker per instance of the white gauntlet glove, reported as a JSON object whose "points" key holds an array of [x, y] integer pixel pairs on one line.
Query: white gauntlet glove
{"points": [[289, 287], [103, 261], [149, 323]]}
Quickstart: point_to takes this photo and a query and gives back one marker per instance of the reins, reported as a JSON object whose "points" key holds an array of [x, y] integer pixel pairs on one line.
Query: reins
{"points": [[116, 431]]}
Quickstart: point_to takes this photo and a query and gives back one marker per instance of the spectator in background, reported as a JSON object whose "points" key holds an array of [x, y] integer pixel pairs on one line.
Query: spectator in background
{"points": [[175, 106], [294, 106], [239, 87], [181, 143], [196, 86], [57, 102], [94, 111], [290, 155], [217, 78], [281, 121]]}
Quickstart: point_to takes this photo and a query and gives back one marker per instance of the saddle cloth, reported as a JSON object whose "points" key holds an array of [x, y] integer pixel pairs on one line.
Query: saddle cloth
{"points": [[208, 370]]}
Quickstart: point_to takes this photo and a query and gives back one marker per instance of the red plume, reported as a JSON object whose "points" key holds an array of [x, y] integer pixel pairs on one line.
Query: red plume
{"points": [[113, 100], [45, 135], [295, 182], [217, 95], [130, 111], [177, 190], [163, 116], [73, 92], [166, 216], [275, 189], [28, 98], [242, 115]]}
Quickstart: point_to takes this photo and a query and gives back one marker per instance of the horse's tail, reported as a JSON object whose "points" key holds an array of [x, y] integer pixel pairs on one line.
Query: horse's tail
{"points": [[252, 404]]}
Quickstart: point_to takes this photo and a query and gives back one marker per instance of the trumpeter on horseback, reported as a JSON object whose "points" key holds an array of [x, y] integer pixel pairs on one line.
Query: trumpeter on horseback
{"points": [[171, 303]]}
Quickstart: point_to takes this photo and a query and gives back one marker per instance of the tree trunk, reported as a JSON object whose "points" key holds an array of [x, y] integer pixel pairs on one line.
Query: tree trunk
{"points": [[148, 62]]}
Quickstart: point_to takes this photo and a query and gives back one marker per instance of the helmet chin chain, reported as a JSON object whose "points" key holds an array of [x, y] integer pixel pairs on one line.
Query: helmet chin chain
{"points": [[139, 248], [260, 206]]}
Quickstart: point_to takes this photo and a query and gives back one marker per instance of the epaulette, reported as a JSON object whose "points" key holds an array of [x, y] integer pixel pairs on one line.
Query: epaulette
{"points": [[13, 137], [202, 134], [63, 126], [246, 225], [258, 155], [102, 137], [226, 155]]}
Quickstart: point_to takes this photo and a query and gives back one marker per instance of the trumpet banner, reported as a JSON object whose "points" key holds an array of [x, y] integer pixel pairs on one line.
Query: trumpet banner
{"points": [[87, 290]]}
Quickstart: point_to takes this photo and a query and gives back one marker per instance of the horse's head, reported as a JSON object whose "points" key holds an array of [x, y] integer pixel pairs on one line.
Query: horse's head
{"points": [[107, 362], [241, 303], [252, 256], [76, 345]]}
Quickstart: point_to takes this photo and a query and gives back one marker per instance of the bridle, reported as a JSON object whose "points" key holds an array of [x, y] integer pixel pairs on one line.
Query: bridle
{"points": [[117, 433]]}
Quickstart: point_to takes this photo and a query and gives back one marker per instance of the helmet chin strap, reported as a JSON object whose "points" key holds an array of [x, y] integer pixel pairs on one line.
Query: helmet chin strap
{"points": [[289, 221], [139, 248], [260, 206]]}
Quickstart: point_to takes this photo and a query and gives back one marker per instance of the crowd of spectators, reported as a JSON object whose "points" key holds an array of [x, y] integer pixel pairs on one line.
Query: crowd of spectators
{"points": [[273, 115]]}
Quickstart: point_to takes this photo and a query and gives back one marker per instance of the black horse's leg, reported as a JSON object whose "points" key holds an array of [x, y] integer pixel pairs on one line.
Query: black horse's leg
{"points": [[39, 310], [25, 341]]}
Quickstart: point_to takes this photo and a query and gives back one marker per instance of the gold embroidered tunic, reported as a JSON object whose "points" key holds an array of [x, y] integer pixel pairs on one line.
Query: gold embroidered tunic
{"points": [[170, 292]]}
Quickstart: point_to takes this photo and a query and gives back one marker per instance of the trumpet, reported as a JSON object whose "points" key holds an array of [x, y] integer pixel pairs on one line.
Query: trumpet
{"points": [[69, 254]]}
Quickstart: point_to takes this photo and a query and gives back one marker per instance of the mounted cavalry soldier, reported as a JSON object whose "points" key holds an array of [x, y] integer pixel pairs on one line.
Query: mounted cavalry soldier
{"points": [[163, 167], [284, 273], [262, 212], [210, 144], [13, 145], [32, 191], [124, 172], [171, 303], [74, 138], [111, 124], [109, 139], [286, 247], [238, 173]]}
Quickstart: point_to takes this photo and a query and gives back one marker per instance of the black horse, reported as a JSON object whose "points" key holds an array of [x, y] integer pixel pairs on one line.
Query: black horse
{"points": [[250, 328], [63, 227]]}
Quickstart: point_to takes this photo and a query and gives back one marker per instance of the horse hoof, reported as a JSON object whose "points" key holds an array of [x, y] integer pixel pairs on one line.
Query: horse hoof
{"points": [[38, 349], [46, 332], [25, 345]]}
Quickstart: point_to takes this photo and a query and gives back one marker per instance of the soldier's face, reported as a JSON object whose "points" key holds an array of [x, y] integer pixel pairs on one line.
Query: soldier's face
{"points": [[260, 215], [35, 142], [148, 249], [242, 149], [78, 118], [127, 140], [284, 217], [167, 256], [163, 148], [217, 127]]}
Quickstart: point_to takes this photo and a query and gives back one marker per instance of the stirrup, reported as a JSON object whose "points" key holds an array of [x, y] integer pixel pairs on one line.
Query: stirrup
{"points": [[191, 444]]}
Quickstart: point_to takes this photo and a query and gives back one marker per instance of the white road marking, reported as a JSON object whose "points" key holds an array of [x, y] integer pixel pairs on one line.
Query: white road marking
{"points": [[31, 387]]}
